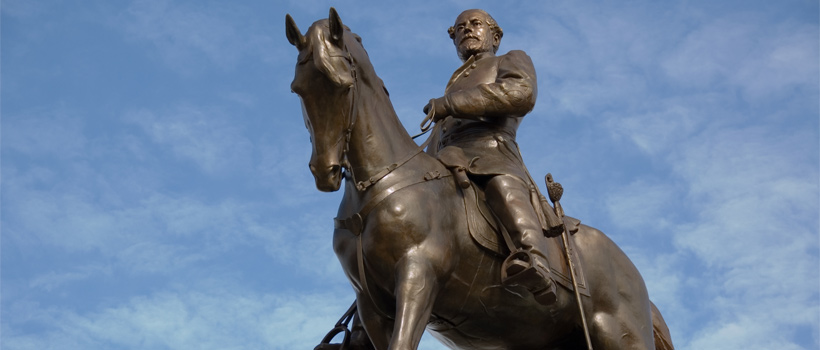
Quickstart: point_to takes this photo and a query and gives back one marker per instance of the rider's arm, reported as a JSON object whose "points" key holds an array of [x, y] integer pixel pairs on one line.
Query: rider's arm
{"points": [[511, 95]]}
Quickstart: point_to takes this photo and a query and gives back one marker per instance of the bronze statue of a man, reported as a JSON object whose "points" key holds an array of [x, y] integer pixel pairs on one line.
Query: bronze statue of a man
{"points": [[482, 107]]}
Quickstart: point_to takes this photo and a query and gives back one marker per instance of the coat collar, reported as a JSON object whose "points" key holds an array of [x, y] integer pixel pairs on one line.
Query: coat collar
{"points": [[467, 66]]}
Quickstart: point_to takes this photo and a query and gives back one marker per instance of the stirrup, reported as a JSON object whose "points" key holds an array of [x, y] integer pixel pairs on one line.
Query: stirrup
{"points": [[340, 328], [518, 269]]}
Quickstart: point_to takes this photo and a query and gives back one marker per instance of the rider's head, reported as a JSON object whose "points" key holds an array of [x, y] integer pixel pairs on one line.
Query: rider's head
{"points": [[474, 32]]}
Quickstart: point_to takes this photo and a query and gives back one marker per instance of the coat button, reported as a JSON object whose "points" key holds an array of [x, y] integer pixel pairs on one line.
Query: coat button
{"points": [[473, 66], [466, 74]]}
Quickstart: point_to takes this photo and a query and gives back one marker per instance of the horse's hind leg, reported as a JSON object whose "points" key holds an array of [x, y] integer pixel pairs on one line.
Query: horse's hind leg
{"points": [[621, 330], [663, 340], [619, 312]]}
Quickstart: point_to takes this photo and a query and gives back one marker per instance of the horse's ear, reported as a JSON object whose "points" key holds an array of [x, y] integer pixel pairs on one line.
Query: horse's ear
{"points": [[336, 28], [292, 31]]}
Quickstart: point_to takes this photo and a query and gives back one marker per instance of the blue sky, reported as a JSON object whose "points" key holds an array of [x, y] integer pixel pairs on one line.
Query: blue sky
{"points": [[156, 194]]}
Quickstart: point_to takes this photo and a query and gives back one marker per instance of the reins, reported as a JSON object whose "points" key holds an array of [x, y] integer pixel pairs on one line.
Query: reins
{"points": [[426, 125], [428, 121]]}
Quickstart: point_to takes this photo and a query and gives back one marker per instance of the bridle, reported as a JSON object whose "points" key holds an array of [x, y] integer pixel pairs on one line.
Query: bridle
{"points": [[352, 117], [352, 114]]}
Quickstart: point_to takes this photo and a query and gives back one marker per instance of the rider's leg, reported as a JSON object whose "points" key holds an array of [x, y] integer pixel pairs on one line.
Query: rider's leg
{"points": [[509, 198]]}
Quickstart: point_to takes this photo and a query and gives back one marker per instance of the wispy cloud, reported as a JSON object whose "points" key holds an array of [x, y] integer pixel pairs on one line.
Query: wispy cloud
{"points": [[68, 198], [205, 136], [209, 318], [182, 33], [753, 199], [759, 57], [38, 132], [54, 280]]}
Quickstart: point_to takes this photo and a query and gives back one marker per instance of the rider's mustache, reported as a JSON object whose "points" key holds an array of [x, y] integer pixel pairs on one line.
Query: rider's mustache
{"points": [[468, 36]]}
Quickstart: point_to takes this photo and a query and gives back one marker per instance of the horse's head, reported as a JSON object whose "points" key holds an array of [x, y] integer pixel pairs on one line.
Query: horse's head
{"points": [[324, 80]]}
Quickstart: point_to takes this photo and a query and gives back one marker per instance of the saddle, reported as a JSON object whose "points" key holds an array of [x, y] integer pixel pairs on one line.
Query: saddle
{"points": [[485, 229]]}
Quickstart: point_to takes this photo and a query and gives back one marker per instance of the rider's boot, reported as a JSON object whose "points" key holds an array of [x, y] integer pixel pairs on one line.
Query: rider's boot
{"points": [[509, 199]]}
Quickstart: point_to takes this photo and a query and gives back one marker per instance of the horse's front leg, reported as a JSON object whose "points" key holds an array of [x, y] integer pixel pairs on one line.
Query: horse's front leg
{"points": [[416, 287], [359, 340], [370, 330]]}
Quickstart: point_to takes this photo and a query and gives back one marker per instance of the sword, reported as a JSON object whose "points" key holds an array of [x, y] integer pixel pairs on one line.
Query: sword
{"points": [[555, 191]]}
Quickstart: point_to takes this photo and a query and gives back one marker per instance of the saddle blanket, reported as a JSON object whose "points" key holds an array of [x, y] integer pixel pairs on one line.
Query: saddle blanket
{"points": [[485, 231]]}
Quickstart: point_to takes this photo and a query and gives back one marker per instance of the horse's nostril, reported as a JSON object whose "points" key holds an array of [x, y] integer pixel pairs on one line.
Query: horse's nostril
{"points": [[331, 169]]}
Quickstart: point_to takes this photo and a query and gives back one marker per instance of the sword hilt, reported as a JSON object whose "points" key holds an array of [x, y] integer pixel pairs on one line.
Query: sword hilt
{"points": [[555, 191]]}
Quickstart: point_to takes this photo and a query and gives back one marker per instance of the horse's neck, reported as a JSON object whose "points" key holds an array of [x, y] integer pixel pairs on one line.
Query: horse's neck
{"points": [[378, 138]]}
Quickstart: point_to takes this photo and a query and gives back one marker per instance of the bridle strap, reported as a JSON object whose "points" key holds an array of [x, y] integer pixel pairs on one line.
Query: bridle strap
{"points": [[352, 115]]}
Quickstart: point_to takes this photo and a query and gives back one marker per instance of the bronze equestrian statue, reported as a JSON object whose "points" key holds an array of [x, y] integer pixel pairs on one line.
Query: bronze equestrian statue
{"points": [[409, 228]]}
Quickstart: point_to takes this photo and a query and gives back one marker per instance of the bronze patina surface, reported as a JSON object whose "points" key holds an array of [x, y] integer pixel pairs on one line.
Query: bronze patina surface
{"points": [[402, 233]]}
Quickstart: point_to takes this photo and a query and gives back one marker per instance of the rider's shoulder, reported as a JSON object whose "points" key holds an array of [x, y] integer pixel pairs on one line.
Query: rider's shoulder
{"points": [[515, 58], [515, 54]]}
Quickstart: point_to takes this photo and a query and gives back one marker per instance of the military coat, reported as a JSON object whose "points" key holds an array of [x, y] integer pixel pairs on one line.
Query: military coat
{"points": [[486, 99]]}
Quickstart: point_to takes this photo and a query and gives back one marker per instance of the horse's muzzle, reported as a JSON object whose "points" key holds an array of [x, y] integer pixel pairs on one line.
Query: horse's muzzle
{"points": [[329, 178]]}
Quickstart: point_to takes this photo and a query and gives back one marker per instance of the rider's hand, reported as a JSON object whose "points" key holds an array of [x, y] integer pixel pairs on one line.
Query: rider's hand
{"points": [[441, 110]]}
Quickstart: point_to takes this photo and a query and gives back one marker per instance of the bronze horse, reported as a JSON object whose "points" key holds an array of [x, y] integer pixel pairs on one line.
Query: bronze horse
{"points": [[404, 246]]}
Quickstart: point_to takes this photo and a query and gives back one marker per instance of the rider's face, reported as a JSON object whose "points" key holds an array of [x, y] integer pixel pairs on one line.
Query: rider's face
{"points": [[473, 35]]}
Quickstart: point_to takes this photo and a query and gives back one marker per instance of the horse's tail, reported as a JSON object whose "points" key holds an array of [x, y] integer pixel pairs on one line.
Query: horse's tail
{"points": [[663, 340]]}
